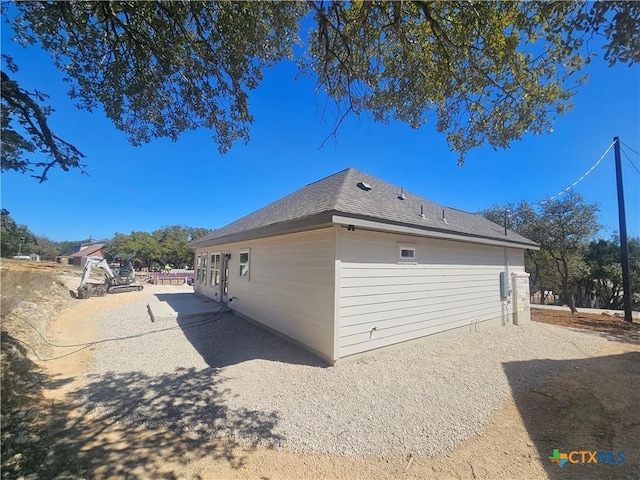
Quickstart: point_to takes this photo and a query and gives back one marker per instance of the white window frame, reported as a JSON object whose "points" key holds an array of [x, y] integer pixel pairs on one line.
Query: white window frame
{"points": [[214, 280], [405, 247], [198, 267], [247, 271], [205, 269]]}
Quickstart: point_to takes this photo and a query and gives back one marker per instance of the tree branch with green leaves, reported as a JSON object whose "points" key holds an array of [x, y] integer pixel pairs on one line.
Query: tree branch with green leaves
{"points": [[485, 73], [21, 106]]}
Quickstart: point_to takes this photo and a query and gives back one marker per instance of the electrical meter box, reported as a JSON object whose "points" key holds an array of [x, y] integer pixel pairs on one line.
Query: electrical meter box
{"points": [[504, 285]]}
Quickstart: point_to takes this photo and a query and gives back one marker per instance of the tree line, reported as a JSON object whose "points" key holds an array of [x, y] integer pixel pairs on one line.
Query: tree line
{"points": [[18, 239], [571, 260], [168, 245]]}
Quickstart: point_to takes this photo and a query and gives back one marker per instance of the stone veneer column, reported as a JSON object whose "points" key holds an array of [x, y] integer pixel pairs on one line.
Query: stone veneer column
{"points": [[521, 307]]}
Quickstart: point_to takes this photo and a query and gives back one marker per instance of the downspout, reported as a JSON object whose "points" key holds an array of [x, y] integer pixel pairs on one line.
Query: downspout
{"points": [[506, 300], [337, 266]]}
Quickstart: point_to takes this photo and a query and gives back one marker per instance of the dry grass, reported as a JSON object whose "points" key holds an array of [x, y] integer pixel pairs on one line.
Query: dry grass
{"points": [[23, 284]]}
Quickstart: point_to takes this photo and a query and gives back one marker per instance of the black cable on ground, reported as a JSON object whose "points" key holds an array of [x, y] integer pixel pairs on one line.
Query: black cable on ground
{"points": [[198, 323]]}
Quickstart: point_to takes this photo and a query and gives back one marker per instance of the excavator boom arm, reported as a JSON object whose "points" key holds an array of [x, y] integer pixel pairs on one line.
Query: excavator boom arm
{"points": [[95, 262]]}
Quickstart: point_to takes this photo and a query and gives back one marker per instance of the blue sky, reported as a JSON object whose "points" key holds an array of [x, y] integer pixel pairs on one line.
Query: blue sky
{"points": [[189, 183]]}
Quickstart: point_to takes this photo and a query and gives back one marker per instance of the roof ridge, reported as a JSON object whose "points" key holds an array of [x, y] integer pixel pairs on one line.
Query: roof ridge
{"points": [[353, 192], [325, 178], [341, 195]]}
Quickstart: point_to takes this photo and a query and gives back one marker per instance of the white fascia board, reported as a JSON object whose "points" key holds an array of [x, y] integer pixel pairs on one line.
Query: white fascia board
{"points": [[407, 230]]}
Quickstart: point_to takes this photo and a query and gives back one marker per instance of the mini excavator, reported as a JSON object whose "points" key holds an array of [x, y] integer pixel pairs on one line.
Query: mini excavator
{"points": [[123, 280]]}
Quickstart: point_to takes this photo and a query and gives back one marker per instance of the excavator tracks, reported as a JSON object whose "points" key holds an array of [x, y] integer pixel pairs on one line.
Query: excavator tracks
{"points": [[125, 288], [92, 290]]}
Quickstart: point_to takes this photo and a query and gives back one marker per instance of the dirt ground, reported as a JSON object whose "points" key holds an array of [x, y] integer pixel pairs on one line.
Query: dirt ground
{"points": [[593, 406], [605, 323]]}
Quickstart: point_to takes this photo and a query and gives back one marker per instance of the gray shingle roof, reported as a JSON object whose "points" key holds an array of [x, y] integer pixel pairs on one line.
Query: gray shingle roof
{"points": [[339, 194]]}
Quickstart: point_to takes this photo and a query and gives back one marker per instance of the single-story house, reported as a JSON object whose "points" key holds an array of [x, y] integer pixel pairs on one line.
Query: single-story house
{"points": [[350, 264], [79, 258]]}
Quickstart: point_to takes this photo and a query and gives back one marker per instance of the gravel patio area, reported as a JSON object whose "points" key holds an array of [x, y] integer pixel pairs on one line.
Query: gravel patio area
{"points": [[223, 376]]}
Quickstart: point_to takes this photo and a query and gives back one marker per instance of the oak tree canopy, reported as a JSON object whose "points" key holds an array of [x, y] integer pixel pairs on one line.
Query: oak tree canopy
{"points": [[482, 72]]}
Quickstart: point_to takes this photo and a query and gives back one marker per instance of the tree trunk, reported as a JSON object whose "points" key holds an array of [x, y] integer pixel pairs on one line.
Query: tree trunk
{"points": [[544, 296], [568, 292], [571, 302], [616, 298]]}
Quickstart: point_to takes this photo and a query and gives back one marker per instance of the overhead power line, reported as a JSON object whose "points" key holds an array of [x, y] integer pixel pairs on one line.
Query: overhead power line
{"points": [[637, 153], [629, 160], [581, 178]]}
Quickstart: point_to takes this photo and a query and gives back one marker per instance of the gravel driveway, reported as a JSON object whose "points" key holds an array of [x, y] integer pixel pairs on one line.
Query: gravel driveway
{"points": [[223, 376]]}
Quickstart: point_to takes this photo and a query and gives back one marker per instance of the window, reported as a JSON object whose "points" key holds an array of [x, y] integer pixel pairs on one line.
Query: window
{"points": [[203, 278], [198, 265], [244, 263], [407, 253], [215, 269]]}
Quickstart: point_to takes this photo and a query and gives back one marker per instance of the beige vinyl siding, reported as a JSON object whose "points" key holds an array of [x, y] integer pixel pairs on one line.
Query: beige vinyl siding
{"points": [[451, 285], [291, 286]]}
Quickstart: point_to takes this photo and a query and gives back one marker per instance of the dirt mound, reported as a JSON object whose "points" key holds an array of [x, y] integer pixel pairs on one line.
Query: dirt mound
{"points": [[31, 298]]}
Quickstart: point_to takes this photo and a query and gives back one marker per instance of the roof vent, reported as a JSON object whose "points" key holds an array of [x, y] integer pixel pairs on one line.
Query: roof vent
{"points": [[401, 196], [364, 186], [444, 217]]}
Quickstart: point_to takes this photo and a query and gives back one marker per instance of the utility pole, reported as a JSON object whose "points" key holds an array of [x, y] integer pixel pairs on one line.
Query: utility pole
{"points": [[624, 249]]}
